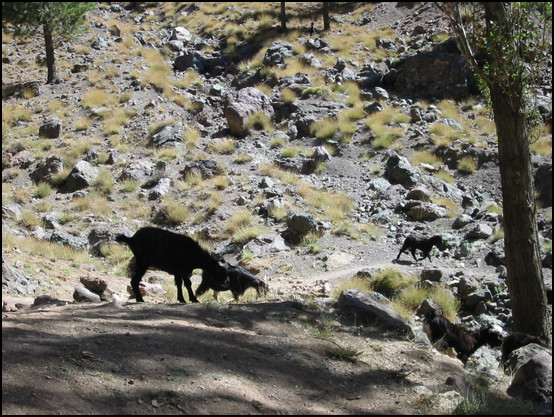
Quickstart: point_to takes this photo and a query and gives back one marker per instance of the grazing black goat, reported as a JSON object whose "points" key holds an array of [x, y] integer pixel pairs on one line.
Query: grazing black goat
{"points": [[239, 281], [424, 244], [173, 253], [515, 341], [445, 334]]}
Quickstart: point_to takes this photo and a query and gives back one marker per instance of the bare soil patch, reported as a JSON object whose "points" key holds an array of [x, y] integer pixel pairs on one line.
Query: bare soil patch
{"points": [[270, 357]]}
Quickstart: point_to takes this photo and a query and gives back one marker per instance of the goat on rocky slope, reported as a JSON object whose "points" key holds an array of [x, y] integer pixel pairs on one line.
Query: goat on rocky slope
{"points": [[176, 254]]}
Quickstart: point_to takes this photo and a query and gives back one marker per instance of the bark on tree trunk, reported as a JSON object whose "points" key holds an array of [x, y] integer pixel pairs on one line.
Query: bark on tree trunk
{"points": [[283, 17], [50, 59], [326, 21], [525, 279]]}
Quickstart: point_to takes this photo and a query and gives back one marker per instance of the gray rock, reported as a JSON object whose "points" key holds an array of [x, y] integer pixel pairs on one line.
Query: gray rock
{"points": [[47, 169], [184, 61], [301, 223], [14, 280], [160, 189], [139, 171], [431, 274], [365, 307], [426, 211], [249, 100], [206, 169], [399, 171], [533, 380], [277, 52], [83, 175], [480, 231], [65, 239]]}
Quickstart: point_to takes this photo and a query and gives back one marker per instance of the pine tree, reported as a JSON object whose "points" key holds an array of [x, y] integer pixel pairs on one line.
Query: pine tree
{"points": [[57, 20]]}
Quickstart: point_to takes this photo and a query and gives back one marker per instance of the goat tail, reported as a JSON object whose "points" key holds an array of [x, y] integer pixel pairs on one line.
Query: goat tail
{"points": [[131, 268]]}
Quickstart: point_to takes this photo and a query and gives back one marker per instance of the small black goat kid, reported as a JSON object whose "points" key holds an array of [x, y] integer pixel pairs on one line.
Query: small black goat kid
{"points": [[424, 244], [444, 334], [176, 254], [239, 281]]}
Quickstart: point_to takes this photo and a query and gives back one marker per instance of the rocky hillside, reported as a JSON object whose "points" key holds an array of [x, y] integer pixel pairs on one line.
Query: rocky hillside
{"points": [[306, 158]]}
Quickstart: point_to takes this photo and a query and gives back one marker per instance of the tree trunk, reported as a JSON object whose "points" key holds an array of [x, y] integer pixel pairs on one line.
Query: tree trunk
{"points": [[525, 280], [50, 59], [326, 22], [283, 17]]}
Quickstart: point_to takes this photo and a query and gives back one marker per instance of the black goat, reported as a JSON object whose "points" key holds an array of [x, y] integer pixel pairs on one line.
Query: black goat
{"points": [[515, 341], [312, 29], [444, 334], [173, 253], [239, 281], [424, 244]]}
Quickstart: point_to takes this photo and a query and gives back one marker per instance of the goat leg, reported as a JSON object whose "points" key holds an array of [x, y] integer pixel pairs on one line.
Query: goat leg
{"points": [[136, 290], [178, 284], [188, 284]]}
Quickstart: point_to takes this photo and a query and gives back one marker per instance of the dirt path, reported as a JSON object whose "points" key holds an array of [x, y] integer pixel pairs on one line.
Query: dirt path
{"points": [[271, 357]]}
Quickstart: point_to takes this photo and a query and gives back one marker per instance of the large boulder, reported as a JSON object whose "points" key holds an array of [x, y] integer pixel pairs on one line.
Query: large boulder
{"points": [[51, 129], [371, 310], [434, 75], [249, 100], [399, 171], [46, 170], [82, 175], [277, 52]]}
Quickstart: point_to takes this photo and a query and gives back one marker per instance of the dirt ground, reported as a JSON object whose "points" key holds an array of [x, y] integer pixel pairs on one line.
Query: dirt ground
{"points": [[270, 357], [286, 353]]}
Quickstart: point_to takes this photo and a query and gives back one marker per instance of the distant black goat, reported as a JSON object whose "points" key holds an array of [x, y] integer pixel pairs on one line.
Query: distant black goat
{"points": [[424, 244], [312, 29], [515, 341], [445, 334], [172, 253], [239, 281]]}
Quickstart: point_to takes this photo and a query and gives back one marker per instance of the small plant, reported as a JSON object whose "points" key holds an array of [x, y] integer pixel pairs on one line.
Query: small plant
{"points": [[129, 185], [323, 92], [43, 190], [83, 123], [30, 219], [242, 158], [222, 147], [191, 137], [422, 157], [239, 220], [260, 121], [324, 129], [291, 151], [96, 98], [343, 353], [445, 176], [166, 154], [467, 165], [390, 281], [104, 183], [221, 182], [175, 213], [288, 96]]}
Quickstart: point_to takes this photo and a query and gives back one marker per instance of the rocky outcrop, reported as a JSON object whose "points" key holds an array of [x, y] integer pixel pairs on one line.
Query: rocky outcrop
{"points": [[249, 100]]}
